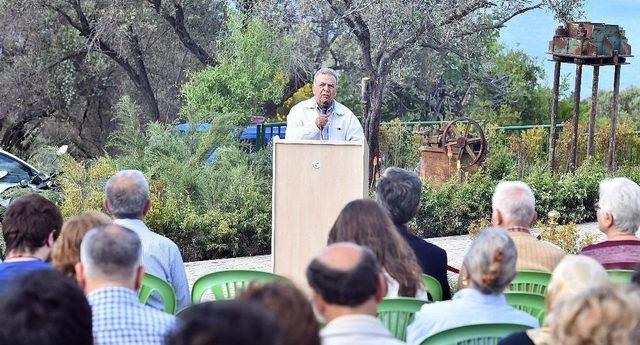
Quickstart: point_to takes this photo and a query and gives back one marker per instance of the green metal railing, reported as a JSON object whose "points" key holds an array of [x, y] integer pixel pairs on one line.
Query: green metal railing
{"points": [[269, 130]]}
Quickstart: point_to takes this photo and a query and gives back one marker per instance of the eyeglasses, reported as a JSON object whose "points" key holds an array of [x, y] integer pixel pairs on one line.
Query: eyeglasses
{"points": [[596, 206]]}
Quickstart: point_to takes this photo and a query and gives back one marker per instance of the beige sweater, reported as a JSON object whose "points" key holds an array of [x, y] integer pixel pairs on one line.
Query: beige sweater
{"points": [[533, 254]]}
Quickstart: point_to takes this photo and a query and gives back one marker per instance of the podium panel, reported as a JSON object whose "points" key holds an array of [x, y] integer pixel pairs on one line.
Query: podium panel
{"points": [[312, 182]]}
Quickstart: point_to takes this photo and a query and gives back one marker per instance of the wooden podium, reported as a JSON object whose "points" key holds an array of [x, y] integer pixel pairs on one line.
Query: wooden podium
{"points": [[312, 181]]}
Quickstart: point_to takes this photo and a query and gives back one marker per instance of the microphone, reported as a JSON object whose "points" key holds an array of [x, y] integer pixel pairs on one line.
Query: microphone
{"points": [[325, 109]]}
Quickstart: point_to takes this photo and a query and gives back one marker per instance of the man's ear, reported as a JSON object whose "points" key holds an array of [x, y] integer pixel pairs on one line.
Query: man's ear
{"points": [[147, 207], [80, 276], [496, 218], [535, 218], [607, 219], [105, 204], [139, 276], [51, 239], [382, 288], [318, 302]]}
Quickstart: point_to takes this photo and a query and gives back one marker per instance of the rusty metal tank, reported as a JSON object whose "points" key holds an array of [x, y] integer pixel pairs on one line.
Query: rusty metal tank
{"points": [[593, 43]]}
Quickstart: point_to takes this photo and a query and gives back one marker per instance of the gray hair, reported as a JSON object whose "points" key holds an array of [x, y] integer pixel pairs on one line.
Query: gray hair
{"points": [[491, 261], [398, 191], [111, 253], [127, 194], [621, 197], [515, 201], [326, 71]]}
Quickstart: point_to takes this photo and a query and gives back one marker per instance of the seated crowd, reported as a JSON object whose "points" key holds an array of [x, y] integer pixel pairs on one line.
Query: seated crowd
{"points": [[78, 282]]}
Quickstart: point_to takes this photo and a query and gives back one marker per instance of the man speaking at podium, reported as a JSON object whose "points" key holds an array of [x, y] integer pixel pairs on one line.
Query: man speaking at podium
{"points": [[322, 117]]}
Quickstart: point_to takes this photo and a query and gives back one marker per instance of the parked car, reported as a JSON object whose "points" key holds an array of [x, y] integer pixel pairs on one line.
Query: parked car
{"points": [[16, 173]]}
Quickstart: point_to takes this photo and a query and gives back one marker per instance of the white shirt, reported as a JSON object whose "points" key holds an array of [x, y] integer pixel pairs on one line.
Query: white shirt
{"points": [[161, 257], [357, 330], [342, 125], [393, 287], [468, 307]]}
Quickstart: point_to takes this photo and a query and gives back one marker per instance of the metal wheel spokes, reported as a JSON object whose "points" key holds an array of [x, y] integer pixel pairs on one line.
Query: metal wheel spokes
{"points": [[472, 143]]}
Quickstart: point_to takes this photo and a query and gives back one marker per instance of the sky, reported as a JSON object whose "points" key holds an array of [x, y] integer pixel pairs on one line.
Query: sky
{"points": [[532, 31]]}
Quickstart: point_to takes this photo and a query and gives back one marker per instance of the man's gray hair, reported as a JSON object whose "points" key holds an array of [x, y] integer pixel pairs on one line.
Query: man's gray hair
{"points": [[621, 197], [111, 253], [326, 71], [491, 261], [515, 201], [398, 191], [127, 194]]}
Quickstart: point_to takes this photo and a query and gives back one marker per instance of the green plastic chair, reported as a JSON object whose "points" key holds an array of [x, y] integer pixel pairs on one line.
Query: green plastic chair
{"points": [[482, 334], [397, 313], [433, 287], [620, 276], [533, 282], [532, 304], [225, 284], [151, 283]]}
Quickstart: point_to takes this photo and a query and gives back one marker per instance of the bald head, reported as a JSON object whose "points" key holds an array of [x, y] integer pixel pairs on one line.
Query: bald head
{"points": [[127, 194], [344, 274], [342, 256]]}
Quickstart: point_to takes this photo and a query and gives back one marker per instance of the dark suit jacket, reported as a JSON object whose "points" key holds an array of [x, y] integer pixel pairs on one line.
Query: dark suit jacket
{"points": [[431, 258]]}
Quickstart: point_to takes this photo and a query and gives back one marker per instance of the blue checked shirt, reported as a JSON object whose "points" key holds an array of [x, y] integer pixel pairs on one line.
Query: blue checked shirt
{"points": [[119, 318]]}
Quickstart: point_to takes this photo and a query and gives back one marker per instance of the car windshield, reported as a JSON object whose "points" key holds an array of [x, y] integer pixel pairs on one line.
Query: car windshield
{"points": [[16, 171]]}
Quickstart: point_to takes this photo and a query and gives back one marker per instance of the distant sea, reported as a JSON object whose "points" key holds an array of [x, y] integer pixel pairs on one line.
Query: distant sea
{"points": [[532, 31]]}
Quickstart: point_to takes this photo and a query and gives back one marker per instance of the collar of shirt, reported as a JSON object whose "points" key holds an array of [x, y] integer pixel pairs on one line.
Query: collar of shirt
{"points": [[519, 229], [352, 324], [132, 224], [116, 295], [470, 295]]}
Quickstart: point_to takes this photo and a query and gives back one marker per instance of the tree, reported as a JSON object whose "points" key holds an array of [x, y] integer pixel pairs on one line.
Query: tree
{"points": [[386, 30]]}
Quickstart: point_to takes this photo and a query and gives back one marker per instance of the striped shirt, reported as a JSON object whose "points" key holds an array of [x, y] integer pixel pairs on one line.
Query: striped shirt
{"points": [[615, 254]]}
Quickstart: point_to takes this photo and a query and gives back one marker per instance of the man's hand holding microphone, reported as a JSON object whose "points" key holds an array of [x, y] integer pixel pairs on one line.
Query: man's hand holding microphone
{"points": [[322, 119]]}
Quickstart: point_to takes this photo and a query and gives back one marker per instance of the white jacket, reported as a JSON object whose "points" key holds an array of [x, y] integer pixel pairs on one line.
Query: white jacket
{"points": [[342, 125]]}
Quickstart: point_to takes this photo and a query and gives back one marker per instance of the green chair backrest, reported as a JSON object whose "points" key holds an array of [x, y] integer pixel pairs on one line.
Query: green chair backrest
{"points": [[225, 284], [433, 287], [482, 334], [397, 313], [532, 304], [533, 282], [151, 283], [620, 276]]}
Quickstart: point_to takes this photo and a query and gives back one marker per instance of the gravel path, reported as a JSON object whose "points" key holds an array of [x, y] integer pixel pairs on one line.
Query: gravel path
{"points": [[456, 247]]}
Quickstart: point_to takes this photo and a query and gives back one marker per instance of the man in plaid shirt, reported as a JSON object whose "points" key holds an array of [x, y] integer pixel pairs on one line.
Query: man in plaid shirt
{"points": [[110, 271]]}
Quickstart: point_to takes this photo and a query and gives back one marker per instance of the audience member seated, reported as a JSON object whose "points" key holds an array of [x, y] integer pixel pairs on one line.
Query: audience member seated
{"points": [[618, 214], [366, 223], [514, 209], [291, 309], [66, 251], [604, 315], [574, 274], [110, 271], [490, 265], [225, 323], [347, 286], [30, 226], [399, 191], [128, 201], [46, 308]]}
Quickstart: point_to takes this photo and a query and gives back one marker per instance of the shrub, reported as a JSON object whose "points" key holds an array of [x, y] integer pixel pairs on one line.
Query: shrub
{"points": [[400, 145]]}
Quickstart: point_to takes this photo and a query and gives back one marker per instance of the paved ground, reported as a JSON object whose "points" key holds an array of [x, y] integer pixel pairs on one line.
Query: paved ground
{"points": [[456, 247]]}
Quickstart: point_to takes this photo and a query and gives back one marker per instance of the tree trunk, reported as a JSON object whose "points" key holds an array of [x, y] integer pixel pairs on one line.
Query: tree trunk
{"points": [[372, 121]]}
